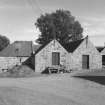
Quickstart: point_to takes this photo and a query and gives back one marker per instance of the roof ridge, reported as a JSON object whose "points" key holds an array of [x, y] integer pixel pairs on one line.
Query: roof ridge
{"points": [[21, 41]]}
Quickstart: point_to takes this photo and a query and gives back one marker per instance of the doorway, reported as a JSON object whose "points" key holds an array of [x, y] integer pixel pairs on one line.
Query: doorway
{"points": [[55, 58], [85, 61]]}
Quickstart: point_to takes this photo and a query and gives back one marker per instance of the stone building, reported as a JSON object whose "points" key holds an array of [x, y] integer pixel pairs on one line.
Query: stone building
{"points": [[76, 55], [83, 55], [15, 54], [50, 54]]}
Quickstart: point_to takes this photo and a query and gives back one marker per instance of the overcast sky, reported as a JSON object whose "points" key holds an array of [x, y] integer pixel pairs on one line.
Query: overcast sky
{"points": [[17, 17]]}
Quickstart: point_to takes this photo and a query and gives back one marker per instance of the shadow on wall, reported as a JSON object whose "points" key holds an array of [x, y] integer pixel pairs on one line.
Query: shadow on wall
{"points": [[30, 62], [97, 79]]}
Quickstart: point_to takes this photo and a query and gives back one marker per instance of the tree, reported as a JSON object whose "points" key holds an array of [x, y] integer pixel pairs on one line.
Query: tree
{"points": [[60, 25], [4, 42]]}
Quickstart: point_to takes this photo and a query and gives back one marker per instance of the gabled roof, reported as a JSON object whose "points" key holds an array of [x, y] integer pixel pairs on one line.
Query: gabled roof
{"points": [[71, 46], [42, 46], [100, 48], [18, 48]]}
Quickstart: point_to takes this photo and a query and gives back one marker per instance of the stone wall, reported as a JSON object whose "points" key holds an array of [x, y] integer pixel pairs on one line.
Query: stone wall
{"points": [[86, 48], [43, 58], [9, 62]]}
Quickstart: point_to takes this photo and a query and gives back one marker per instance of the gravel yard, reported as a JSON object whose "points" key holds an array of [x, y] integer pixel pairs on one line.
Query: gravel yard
{"points": [[55, 89]]}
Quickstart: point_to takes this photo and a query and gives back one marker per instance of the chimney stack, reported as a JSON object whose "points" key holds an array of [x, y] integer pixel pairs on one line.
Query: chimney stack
{"points": [[86, 41]]}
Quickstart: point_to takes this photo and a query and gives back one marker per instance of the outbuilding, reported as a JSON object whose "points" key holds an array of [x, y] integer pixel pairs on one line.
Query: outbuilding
{"points": [[15, 54], [83, 55], [50, 54], [75, 55]]}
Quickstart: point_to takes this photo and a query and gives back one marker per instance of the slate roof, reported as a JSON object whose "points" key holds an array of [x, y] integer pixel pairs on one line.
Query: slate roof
{"points": [[71, 46], [25, 48], [18, 48], [100, 48], [36, 47]]}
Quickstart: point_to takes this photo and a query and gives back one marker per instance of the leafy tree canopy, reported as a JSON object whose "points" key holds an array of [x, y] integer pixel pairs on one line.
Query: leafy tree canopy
{"points": [[4, 42], [60, 25]]}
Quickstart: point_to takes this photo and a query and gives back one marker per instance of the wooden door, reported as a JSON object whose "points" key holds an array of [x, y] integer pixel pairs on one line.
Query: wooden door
{"points": [[103, 60], [55, 58], [85, 61]]}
